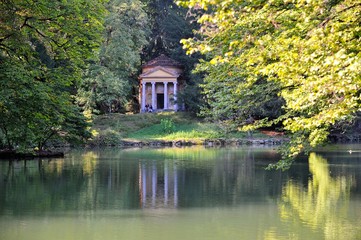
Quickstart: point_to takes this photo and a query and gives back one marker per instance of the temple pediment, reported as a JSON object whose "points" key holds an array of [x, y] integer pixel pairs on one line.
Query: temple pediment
{"points": [[160, 72]]}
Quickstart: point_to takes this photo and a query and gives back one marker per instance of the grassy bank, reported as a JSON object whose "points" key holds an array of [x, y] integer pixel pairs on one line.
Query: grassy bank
{"points": [[164, 126]]}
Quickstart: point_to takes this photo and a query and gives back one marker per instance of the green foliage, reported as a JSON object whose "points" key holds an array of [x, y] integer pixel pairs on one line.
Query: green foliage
{"points": [[167, 125], [109, 81], [53, 37], [168, 27], [108, 137], [191, 94], [306, 53], [43, 49]]}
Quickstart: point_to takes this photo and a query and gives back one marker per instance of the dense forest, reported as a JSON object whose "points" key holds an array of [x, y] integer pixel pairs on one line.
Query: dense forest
{"points": [[290, 65], [61, 62]]}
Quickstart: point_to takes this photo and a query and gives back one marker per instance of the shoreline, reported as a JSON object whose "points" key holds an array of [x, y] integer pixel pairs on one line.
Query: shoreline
{"points": [[13, 155], [10, 155], [184, 143], [59, 151]]}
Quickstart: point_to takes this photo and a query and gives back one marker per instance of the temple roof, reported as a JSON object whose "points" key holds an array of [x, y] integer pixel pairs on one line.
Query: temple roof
{"points": [[164, 61]]}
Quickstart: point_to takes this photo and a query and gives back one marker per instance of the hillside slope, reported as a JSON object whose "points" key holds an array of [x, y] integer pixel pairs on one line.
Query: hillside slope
{"points": [[165, 126]]}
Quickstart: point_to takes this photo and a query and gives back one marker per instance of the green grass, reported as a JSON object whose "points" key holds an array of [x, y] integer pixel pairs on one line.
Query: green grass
{"points": [[127, 124], [112, 128], [182, 132]]}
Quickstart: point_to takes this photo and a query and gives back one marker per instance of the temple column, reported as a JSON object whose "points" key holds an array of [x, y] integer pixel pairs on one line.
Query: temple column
{"points": [[154, 185], [175, 96], [165, 183], [153, 96], [165, 95], [143, 96], [144, 185]]}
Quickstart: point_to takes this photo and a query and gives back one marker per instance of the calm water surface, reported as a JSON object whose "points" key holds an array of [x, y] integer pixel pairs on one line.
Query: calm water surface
{"points": [[182, 193]]}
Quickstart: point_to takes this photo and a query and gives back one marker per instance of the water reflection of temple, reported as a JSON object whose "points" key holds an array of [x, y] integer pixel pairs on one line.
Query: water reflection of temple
{"points": [[158, 185]]}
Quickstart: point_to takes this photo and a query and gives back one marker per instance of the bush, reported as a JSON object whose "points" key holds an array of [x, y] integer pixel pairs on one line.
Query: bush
{"points": [[107, 138], [167, 125]]}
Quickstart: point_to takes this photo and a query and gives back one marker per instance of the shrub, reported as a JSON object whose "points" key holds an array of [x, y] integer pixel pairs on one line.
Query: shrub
{"points": [[107, 138], [167, 125]]}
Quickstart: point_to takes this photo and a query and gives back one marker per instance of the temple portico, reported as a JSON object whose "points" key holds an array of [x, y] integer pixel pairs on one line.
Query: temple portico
{"points": [[159, 95], [159, 84]]}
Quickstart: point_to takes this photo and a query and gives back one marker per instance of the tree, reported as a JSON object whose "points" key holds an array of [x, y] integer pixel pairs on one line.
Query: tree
{"points": [[309, 49], [233, 106], [109, 81], [43, 49]]}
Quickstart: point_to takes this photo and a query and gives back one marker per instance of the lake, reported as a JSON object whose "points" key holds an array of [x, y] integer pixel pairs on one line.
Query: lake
{"points": [[182, 193]]}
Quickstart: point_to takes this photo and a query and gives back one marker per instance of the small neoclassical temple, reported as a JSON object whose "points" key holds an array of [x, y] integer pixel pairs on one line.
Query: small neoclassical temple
{"points": [[159, 83]]}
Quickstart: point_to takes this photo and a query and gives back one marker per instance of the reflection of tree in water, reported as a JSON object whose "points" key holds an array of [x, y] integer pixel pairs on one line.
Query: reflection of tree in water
{"points": [[89, 162], [234, 175], [205, 178], [322, 204]]}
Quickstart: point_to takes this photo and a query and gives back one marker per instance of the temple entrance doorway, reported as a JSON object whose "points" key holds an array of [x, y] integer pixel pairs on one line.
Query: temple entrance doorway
{"points": [[160, 100]]}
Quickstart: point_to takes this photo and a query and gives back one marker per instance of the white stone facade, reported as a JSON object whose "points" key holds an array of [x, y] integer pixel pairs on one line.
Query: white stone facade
{"points": [[159, 86]]}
